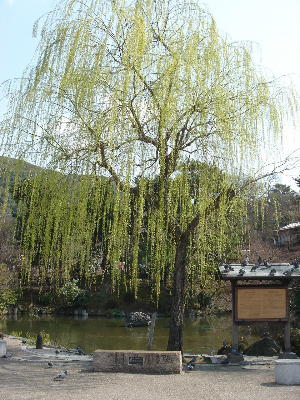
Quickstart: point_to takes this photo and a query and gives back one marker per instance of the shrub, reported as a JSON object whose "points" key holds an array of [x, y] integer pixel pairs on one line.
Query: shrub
{"points": [[69, 292], [295, 341], [8, 297]]}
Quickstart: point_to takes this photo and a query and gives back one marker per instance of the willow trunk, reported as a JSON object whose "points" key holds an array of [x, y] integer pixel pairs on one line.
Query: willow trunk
{"points": [[175, 341]]}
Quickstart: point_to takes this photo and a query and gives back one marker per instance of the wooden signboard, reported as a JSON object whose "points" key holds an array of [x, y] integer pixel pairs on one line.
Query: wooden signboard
{"points": [[261, 303]]}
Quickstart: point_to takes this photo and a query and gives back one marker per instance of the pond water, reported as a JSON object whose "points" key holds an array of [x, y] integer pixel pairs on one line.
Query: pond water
{"points": [[200, 334]]}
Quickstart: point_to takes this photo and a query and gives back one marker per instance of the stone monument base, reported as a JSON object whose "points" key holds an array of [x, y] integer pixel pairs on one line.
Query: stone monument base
{"points": [[3, 344], [287, 372], [160, 362]]}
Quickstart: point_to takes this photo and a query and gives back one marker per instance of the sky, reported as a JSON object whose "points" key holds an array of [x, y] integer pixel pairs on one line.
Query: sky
{"points": [[273, 24]]}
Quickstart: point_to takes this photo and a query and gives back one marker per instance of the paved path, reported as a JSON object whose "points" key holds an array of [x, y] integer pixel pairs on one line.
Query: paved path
{"points": [[26, 375]]}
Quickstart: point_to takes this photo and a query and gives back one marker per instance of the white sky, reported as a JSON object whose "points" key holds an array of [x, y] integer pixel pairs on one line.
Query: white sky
{"points": [[274, 24]]}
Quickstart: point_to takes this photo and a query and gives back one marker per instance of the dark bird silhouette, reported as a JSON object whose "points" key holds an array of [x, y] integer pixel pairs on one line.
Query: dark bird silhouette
{"points": [[61, 376], [225, 361], [6, 355], [273, 271], [296, 263], [57, 351], [225, 343], [242, 271], [81, 352], [246, 261], [228, 267], [265, 334], [50, 364], [260, 260], [191, 364], [266, 264], [254, 268], [24, 341], [288, 272]]}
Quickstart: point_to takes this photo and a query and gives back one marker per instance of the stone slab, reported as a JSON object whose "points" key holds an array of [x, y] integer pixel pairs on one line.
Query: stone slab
{"points": [[3, 346], [235, 358], [287, 372], [289, 356], [160, 362]]}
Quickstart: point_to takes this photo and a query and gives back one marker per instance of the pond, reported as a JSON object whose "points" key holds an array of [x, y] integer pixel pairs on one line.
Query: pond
{"points": [[200, 334]]}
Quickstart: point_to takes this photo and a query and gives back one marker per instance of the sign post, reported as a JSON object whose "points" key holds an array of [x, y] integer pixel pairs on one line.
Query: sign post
{"points": [[254, 302]]}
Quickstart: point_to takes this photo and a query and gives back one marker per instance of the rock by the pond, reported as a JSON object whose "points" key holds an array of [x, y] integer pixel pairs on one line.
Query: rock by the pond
{"points": [[263, 347], [138, 318]]}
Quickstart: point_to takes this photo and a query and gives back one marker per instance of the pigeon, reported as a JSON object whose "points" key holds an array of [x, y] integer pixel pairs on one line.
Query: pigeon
{"points": [[228, 268], [191, 364], [266, 264], [225, 343], [242, 271], [296, 263], [265, 334], [61, 376], [24, 341], [57, 351], [81, 352], [254, 268], [225, 361], [50, 364], [273, 271], [260, 260], [246, 261], [288, 272], [212, 353], [6, 355]]}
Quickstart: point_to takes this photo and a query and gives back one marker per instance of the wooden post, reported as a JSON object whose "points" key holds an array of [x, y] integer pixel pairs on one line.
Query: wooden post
{"points": [[235, 340], [151, 333], [39, 341]]}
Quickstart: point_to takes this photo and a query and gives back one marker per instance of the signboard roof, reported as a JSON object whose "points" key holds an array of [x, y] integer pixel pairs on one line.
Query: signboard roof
{"points": [[266, 271]]}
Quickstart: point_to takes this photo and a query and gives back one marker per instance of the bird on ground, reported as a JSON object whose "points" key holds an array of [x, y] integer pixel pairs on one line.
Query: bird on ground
{"points": [[24, 341], [50, 364], [57, 351], [6, 355], [260, 260], [61, 376], [191, 364], [212, 353], [273, 271], [225, 343], [266, 264], [225, 361], [81, 352]]}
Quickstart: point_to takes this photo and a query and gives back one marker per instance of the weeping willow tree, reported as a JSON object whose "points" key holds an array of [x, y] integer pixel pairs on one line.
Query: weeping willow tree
{"points": [[120, 92]]}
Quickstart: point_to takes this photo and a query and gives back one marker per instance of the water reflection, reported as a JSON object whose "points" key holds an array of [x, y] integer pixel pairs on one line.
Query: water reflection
{"points": [[200, 335]]}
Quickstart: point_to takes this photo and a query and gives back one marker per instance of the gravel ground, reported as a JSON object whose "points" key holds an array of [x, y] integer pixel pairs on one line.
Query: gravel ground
{"points": [[27, 376]]}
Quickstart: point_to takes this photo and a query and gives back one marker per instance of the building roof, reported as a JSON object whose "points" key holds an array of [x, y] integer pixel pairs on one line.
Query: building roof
{"points": [[290, 226]]}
